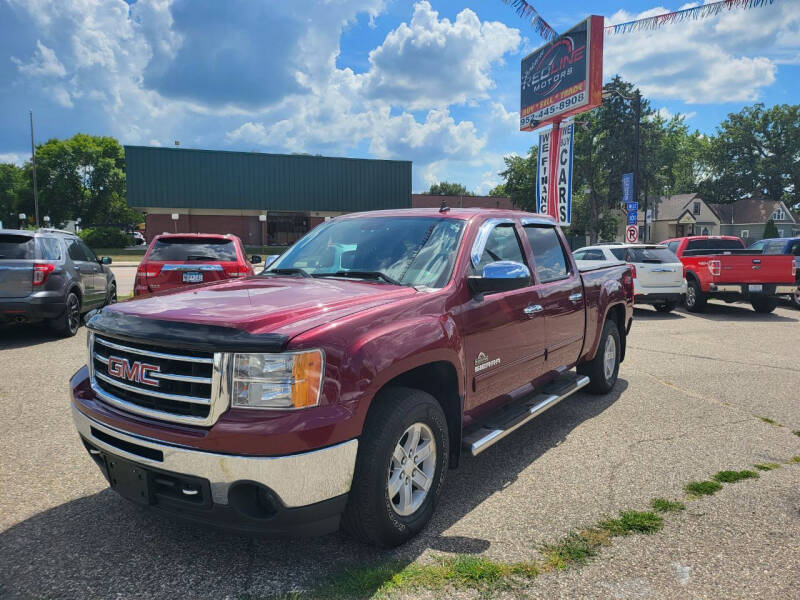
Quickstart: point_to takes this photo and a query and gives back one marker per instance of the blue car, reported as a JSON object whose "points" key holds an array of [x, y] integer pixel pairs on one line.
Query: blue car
{"points": [[783, 246]]}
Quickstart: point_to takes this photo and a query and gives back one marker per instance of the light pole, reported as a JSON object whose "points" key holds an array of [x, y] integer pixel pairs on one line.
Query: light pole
{"points": [[636, 100], [33, 162]]}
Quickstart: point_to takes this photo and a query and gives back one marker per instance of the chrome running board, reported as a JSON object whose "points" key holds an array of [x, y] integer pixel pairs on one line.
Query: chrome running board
{"points": [[512, 417]]}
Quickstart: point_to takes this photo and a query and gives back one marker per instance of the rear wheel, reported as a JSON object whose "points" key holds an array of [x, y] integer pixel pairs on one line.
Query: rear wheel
{"points": [[695, 298], [603, 369], [764, 305], [796, 297], [666, 307], [68, 323], [402, 459]]}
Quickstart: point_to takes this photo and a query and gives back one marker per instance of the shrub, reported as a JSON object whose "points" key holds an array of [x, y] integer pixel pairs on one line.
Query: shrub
{"points": [[105, 237]]}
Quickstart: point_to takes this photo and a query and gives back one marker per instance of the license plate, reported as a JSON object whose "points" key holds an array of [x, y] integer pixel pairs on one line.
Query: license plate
{"points": [[128, 479], [193, 277], [755, 288]]}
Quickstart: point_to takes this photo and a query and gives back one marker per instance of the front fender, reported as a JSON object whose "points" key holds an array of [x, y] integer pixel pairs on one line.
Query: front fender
{"points": [[384, 353]]}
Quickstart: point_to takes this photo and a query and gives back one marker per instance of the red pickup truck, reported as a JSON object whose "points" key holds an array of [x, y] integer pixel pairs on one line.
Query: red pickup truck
{"points": [[721, 267], [344, 381]]}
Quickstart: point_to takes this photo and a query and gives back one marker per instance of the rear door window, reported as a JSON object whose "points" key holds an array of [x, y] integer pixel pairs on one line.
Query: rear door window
{"points": [[88, 252], [592, 255], [75, 251], [548, 253], [49, 248], [651, 255], [19, 247], [619, 253], [188, 249]]}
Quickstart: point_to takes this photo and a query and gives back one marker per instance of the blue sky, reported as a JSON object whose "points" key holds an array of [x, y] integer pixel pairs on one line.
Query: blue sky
{"points": [[433, 81]]}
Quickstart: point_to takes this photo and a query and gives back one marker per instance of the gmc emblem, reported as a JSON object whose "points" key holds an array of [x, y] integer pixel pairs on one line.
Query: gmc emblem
{"points": [[137, 372]]}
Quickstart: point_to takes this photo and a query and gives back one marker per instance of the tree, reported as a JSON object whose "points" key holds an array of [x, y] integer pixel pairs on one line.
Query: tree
{"points": [[770, 230], [755, 150], [498, 191], [83, 176], [11, 187], [446, 188], [520, 179]]}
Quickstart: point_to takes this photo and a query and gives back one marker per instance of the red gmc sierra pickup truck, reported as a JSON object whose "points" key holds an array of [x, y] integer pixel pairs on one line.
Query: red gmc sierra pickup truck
{"points": [[339, 385], [721, 267]]}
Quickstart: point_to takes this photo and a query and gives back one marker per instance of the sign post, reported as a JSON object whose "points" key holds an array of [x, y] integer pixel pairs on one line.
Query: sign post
{"points": [[562, 78]]}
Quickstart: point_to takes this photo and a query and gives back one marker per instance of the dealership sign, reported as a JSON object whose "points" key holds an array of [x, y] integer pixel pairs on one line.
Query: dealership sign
{"points": [[563, 77], [561, 207]]}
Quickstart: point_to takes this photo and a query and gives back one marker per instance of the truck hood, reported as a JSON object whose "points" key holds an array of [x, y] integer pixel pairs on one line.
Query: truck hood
{"points": [[286, 305]]}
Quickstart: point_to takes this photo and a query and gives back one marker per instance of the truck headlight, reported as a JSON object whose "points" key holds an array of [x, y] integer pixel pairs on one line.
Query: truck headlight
{"points": [[277, 381]]}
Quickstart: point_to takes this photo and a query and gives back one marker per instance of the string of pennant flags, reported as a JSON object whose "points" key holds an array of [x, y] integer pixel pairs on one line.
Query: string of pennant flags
{"points": [[539, 25], [704, 11]]}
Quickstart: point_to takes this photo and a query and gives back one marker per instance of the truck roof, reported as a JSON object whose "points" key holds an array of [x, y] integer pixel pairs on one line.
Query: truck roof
{"points": [[452, 213]]}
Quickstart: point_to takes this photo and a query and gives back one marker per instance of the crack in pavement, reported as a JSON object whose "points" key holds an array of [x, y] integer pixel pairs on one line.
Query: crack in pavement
{"points": [[727, 360]]}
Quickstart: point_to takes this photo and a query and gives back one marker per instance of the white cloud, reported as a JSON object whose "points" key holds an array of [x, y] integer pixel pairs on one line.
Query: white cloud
{"points": [[408, 67], [727, 58], [44, 63], [16, 158], [666, 114]]}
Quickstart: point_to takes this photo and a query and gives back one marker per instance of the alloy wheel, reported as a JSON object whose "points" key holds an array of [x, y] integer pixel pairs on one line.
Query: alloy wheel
{"points": [[411, 469], [610, 357]]}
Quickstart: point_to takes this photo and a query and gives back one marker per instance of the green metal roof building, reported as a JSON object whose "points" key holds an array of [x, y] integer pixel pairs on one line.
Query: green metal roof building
{"points": [[210, 191]]}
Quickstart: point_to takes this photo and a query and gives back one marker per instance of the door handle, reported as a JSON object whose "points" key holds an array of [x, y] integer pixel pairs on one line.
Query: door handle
{"points": [[532, 309], [575, 297]]}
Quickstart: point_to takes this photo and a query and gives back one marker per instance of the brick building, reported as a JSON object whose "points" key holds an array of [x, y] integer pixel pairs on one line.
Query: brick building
{"points": [[265, 199]]}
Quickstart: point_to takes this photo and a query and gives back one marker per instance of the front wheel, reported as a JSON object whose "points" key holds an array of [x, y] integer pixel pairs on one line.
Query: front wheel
{"points": [[695, 298], [402, 459], [603, 369], [764, 305], [111, 297]]}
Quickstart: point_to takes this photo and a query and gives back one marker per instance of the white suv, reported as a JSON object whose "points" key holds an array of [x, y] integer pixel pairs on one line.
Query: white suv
{"points": [[657, 272]]}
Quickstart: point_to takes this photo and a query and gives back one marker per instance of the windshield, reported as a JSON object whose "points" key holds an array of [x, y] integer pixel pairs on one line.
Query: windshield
{"points": [[416, 251], [16, 246], [199, 249]]}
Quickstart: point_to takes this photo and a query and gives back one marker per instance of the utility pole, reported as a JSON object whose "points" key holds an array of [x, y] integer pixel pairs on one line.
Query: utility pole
{"points": [[637, 114], [35, 188]]}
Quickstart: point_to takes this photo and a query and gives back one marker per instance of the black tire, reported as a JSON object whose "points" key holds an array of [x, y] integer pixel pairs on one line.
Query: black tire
{"points": [[69, 322], [111, 296], [370, 516], [666, 307], [795, 298], [764, 305], [695, 299], [599, 381]]}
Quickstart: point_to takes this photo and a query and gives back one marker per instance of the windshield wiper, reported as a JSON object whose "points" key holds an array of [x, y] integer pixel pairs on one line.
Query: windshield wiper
{"points": [[289, 271], [199, 257], [362, 275]]}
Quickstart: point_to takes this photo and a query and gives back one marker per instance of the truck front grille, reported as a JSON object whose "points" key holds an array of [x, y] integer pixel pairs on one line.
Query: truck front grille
{"points": [[153, 381]]}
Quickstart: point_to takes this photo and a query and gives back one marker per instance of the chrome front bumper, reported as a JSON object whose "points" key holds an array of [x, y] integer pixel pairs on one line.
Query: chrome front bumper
{"points": [[297, 479]]}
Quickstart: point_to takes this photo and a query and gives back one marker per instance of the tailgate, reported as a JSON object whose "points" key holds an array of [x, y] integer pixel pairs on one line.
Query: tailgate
{"points": [[16, 278], [753, 268], [659, 275], [170, 275]]}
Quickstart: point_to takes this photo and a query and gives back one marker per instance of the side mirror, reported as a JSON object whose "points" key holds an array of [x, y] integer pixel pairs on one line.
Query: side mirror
{"points": [[106, 260], [255, 259], [500, 276], [270, 259]]}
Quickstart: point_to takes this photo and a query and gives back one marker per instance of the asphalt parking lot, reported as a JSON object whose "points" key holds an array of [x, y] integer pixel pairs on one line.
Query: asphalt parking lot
{"points": [[691, 399]]}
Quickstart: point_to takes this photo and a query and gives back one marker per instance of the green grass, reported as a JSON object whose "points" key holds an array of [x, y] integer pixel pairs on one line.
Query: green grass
{"points": [[768, 420], [663, 505], [734, 476], [633, 521], [766, 466], [795, 459], [461, 572], [575, 548], [797, 433], [702, 488]]}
